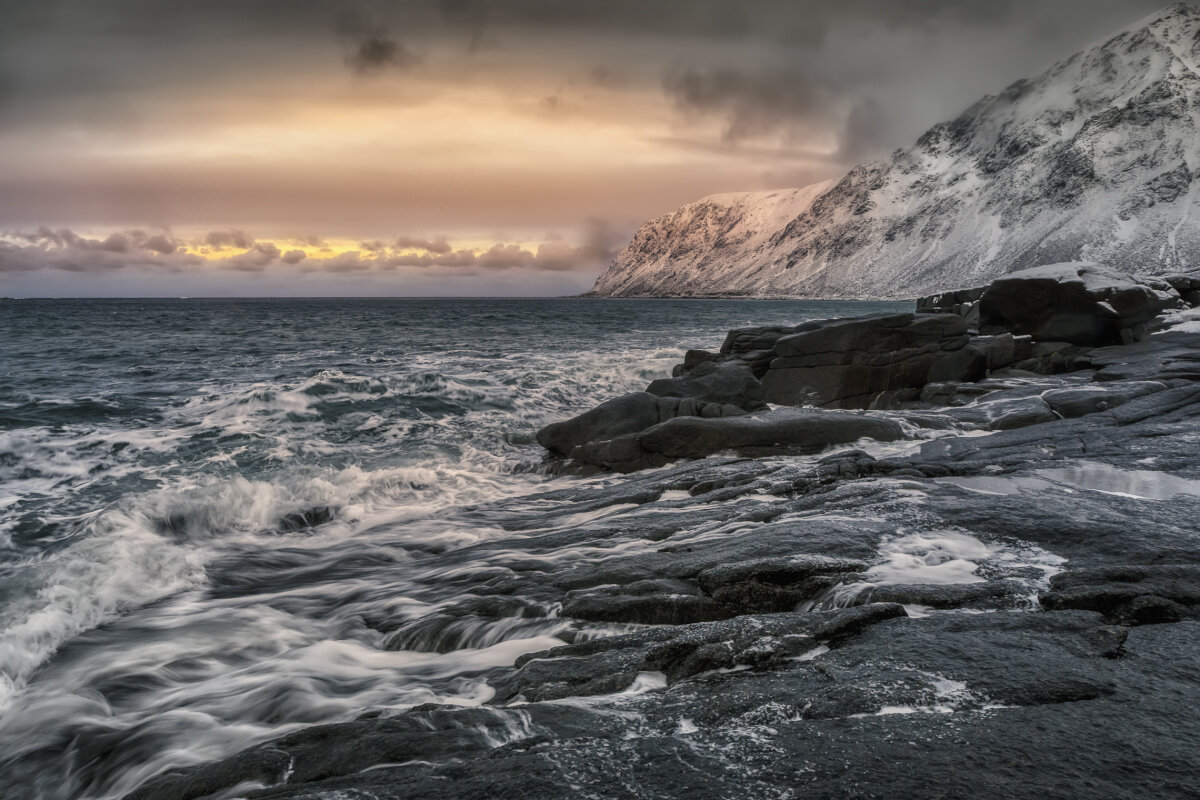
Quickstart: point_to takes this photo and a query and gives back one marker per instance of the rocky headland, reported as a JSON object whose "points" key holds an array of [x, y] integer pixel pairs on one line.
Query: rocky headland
{"points": [[947, 553]]}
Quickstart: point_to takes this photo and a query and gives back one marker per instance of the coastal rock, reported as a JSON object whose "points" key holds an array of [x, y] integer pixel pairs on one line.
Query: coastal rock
{"points": [[709, 390], [1094, 515], [849, 363], [1172, 355], [793, 430], [1148, 593], [767, 585], [709, 382], [755, 347], [1188, 287], [694, 358], [658, 608], [969, 364], [1097, 397], [779, 431], [1081, 303], [985, 595], [626, 414], [1003, 350], [602, 666]]}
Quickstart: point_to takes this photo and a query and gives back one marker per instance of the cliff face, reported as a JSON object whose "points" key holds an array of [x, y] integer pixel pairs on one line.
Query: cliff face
{"points": [[1094, 159]]}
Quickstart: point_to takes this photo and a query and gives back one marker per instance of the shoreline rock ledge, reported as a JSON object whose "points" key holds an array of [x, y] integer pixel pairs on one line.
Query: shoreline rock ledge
{"points": [[953, 363]]}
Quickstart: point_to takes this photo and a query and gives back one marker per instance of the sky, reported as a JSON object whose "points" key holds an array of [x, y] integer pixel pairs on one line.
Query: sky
{"points": [[452, 147]]}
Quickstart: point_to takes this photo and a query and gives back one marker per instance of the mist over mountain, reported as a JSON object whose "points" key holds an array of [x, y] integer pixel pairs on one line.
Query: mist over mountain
{"points": [[1093, 159]]}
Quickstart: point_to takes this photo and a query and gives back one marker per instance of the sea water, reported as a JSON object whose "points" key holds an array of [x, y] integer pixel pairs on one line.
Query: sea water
{"points": [[213, 512]]}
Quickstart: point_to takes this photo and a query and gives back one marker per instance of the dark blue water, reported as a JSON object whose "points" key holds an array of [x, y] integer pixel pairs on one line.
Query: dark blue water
{"points": [[212, 512]]}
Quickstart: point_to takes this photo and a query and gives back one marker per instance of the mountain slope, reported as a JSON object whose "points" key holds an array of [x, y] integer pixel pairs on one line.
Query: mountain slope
{"points": [[1093, 159]]}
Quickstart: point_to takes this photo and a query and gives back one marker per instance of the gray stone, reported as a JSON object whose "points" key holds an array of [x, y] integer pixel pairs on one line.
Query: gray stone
{"points": [[774, 584], [657, 609], [967, 365], [708, 382], [779, 431], [626, 414], [1096, 397], [849, 363], [1083, 303]]}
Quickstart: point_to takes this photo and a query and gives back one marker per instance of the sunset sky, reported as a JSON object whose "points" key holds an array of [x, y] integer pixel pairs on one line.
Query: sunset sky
{"points": [[452, 147]]}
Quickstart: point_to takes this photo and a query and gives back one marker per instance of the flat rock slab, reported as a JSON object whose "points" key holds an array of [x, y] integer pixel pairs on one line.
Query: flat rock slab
{"points": [[781, 431]]}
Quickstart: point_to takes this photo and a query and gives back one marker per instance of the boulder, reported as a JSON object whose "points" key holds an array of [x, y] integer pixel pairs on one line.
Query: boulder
{"points": [[1004, 349], [708, 382], [625, 414], [755, 347], [1188, 287], [1136, 593], [740, 341], [711, 392], [780, 431], [694, 358], [849, 363], [969, 364], [1083, 303]]}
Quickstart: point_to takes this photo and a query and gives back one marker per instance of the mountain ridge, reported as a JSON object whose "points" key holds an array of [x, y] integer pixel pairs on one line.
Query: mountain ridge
{"points": [[1093, 159]]}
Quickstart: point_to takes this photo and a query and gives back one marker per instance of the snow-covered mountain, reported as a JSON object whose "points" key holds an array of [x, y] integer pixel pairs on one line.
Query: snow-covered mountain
{"points": [[1094, 159]]}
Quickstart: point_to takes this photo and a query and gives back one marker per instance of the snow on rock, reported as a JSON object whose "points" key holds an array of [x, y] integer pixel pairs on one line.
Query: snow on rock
{"points": [[1093, 160]]}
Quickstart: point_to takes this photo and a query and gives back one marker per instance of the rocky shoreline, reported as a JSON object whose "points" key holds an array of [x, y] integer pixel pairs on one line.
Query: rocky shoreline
{"points": [[983, 581]]}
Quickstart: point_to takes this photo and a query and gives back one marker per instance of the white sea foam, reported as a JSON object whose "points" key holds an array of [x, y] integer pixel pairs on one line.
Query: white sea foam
{"points": [[931, 557], [119, 567]]}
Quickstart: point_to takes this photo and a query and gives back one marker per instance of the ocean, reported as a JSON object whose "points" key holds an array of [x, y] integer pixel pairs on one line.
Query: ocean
{"points": [[216, 515]]}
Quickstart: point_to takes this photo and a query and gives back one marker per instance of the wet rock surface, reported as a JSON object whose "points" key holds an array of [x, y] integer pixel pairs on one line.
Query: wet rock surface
{"points": [[966, 356], [850, 363], [780, 431], [1004, 602], [1082, 303]]}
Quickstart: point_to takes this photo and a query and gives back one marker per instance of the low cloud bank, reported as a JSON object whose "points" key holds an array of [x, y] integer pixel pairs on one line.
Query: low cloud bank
{"points": [[238, 251]]}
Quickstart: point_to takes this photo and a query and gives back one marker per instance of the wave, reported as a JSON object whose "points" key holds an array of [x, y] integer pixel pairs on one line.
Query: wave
{"points": [[159, 544], [219, 535]]}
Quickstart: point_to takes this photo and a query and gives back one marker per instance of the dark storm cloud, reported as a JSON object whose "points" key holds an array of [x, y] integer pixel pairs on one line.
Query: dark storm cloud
{"points": [[864, 131], [82, 30], [375, 53], [91, 62], [751, 104], [371, 47], [790, 87]]}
